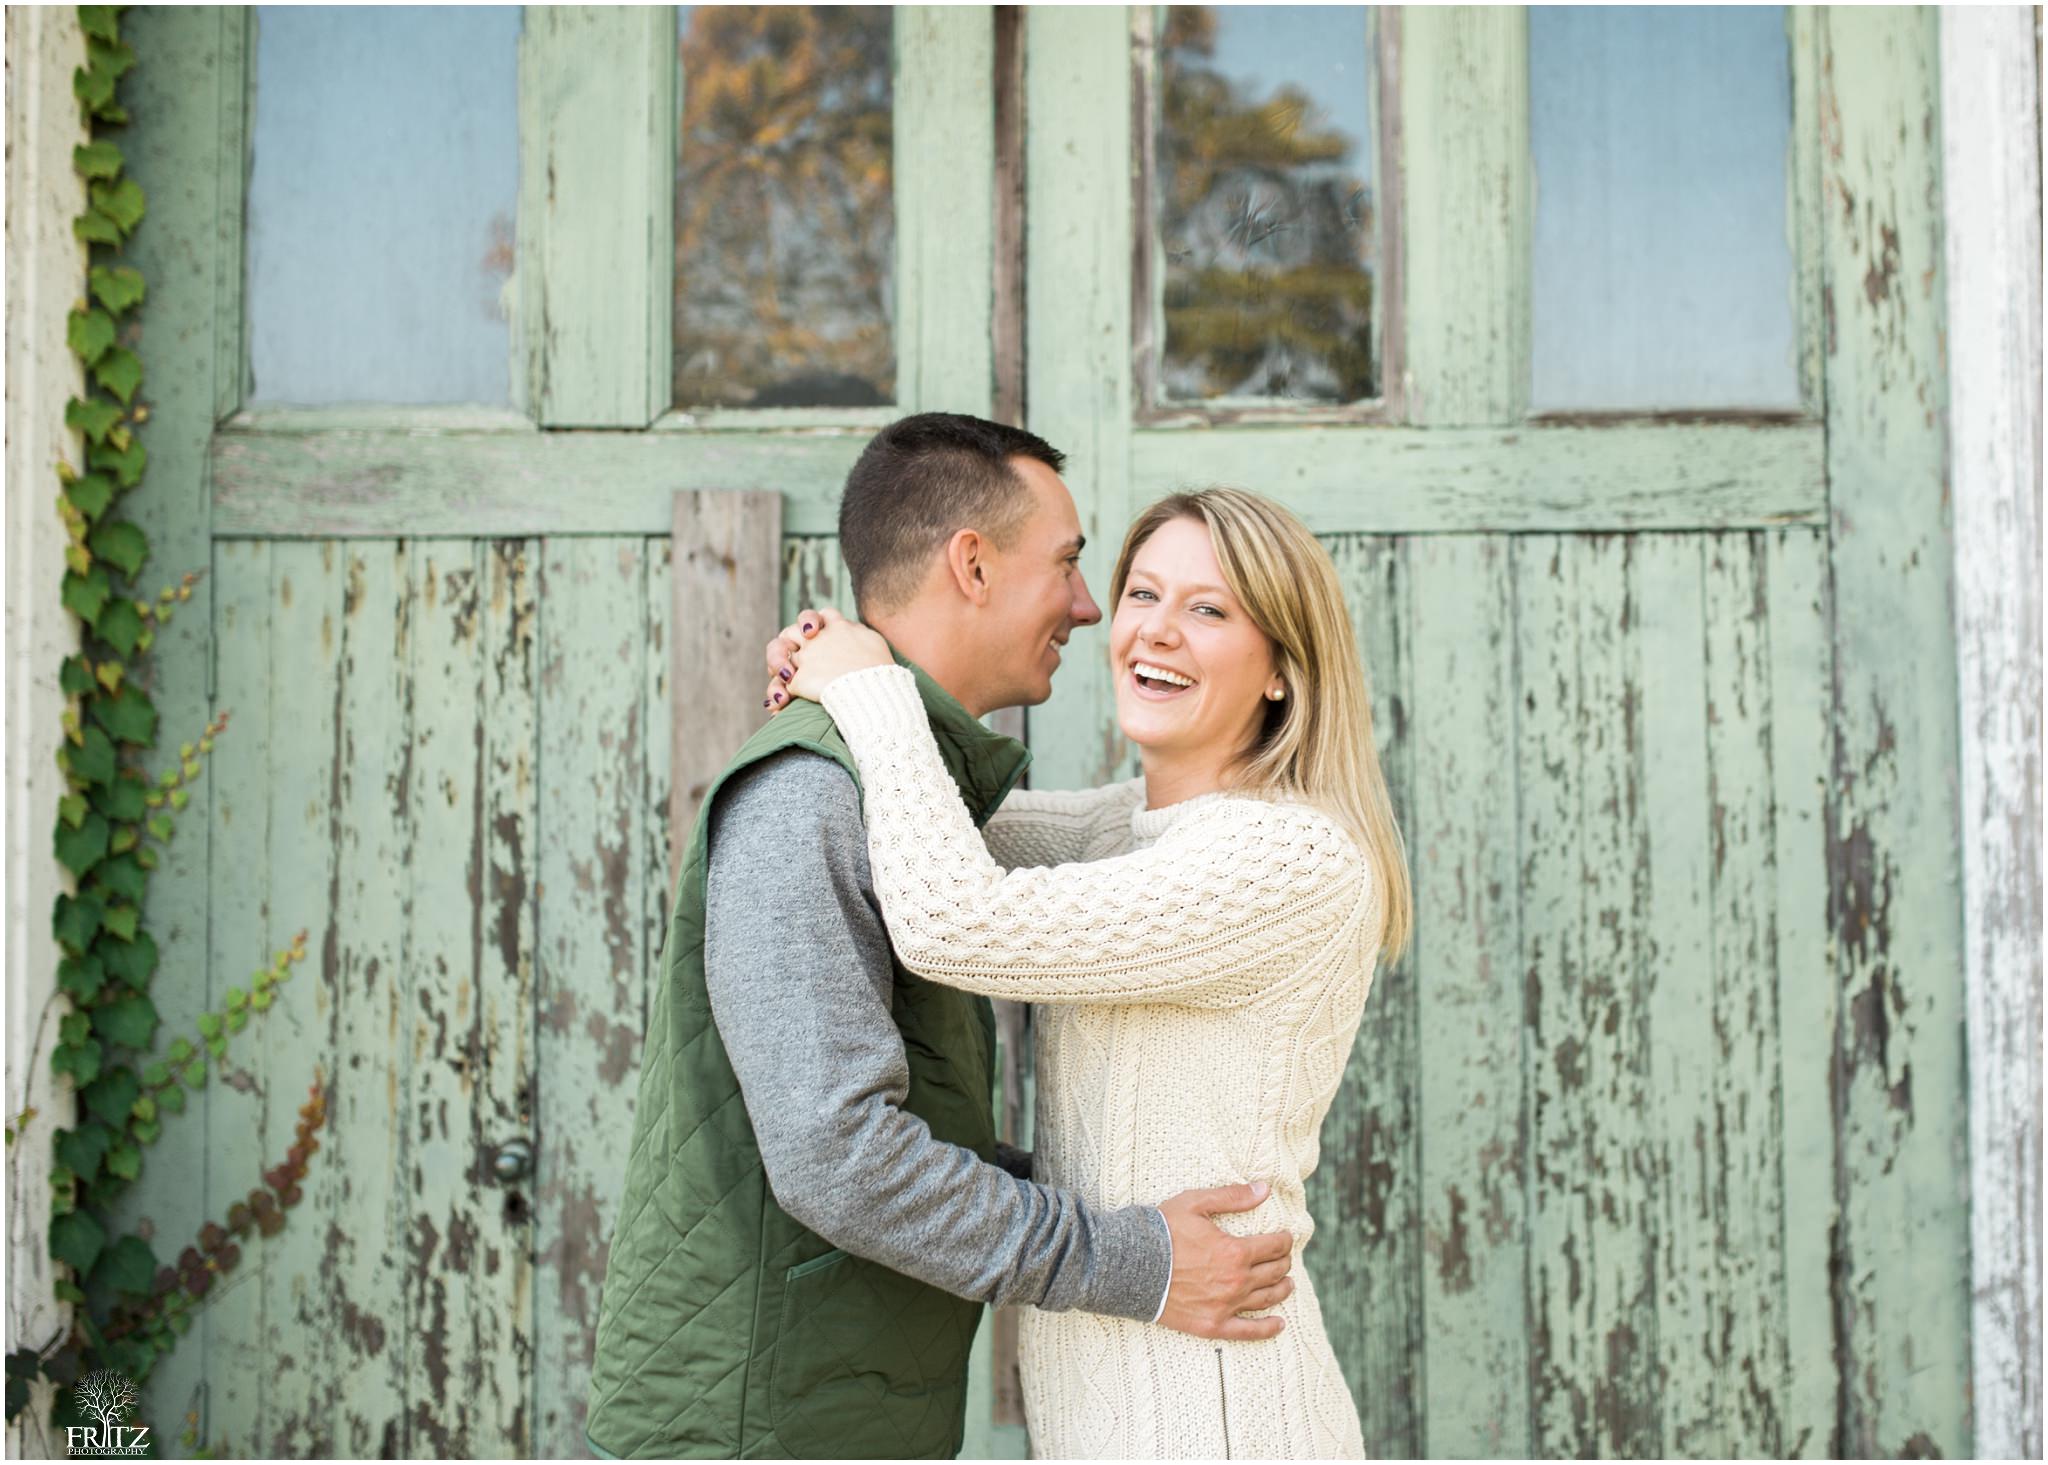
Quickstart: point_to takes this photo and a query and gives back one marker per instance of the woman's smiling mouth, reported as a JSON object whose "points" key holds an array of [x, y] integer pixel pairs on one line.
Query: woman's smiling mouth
{"points": [[1157, 681]]}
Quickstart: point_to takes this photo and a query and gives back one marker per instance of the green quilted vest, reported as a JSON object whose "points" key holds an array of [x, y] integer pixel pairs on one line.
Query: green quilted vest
{"points": [[726, 1329]]}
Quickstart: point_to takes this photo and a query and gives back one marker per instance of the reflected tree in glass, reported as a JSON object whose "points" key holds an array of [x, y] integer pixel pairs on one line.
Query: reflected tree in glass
{"points": [[785, 218], [1265, 216]]}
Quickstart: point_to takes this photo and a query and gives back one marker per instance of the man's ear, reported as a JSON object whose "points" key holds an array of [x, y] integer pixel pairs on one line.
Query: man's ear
{"points": [[967, 564]]}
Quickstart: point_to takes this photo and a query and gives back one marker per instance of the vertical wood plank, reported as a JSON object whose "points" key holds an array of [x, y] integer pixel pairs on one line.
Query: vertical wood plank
{"points": [[1903, 1273], [726, 550], [1687, 1197], [1808, 1000], [231, 1323], [1366, 1257], [290, 1043], [1467, 204], [358, 1178], [597, 109], [1991, 170], [1803, 203], [590, 864], [1078, 244], [1582, 883], [1463, 840], [1749, 1320], [944, 143]]}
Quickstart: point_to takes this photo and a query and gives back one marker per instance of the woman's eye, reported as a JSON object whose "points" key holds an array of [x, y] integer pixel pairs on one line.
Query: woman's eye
{"points": [[1136, 593], [1212, 610]]}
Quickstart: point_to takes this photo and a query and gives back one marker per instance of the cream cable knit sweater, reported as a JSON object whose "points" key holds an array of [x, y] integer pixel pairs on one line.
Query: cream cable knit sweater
{"points": [[1203, 969]]}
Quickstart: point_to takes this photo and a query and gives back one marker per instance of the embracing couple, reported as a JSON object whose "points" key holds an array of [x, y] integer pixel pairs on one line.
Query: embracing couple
{"points": [[816, 1205]]}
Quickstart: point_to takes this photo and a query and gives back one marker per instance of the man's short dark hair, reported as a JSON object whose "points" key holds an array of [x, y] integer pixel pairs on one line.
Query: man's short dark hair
{"points": [[917, 484]]}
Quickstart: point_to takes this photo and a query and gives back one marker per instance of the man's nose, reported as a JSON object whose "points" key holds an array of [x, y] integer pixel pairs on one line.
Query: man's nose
{"points": [[1085, 611]]}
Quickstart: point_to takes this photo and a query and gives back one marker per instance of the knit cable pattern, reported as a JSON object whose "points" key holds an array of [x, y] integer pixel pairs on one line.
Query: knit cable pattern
{"points": [[1215, 913]]}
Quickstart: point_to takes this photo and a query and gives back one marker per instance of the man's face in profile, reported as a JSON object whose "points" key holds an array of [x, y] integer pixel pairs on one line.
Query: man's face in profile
{"points": [[1038, 595]]}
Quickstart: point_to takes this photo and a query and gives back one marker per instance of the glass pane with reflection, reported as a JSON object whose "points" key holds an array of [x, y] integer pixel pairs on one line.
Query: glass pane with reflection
{"points": [[1264, 204], [1663, 272], [785, 210], [381, 205]]}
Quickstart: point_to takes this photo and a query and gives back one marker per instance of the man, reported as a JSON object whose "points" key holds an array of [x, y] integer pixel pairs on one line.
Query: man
{"points": [[816, 1207]]}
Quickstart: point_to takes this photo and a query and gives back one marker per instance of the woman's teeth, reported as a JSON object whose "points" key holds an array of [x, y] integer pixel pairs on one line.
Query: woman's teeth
{"points": [[1150, 674]]}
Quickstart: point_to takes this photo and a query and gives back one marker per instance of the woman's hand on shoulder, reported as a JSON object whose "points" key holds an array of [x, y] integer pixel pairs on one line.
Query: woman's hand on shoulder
{"points": [[816, 649]]}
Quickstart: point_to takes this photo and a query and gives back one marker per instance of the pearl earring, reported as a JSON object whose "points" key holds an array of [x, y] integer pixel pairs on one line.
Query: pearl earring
{"points": [[1276, 695]]}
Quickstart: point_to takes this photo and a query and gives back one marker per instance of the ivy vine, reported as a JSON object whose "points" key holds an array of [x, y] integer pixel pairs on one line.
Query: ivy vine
{"points": [[129, 1309]]}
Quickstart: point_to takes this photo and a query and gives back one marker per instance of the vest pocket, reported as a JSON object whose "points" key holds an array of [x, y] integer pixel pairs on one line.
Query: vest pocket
{"points": [[868, 1362]]}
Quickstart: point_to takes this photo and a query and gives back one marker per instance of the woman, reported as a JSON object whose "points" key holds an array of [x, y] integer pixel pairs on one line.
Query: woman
{"points": [[1201, 938]]}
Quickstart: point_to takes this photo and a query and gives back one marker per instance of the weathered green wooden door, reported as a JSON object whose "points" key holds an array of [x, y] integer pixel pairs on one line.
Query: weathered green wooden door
{"points": [[439, 612], [1649, 1147]]}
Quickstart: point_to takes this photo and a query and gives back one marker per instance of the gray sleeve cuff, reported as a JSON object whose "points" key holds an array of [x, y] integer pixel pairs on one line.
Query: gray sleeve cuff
{"points": [[1168, 1288]]}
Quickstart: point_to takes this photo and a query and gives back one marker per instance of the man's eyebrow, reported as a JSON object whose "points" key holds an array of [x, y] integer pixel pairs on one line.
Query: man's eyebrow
{"points": [[1074, 546]]}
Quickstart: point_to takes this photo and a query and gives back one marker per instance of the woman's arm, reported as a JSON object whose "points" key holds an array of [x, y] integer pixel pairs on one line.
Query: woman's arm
{"points": [[1057, 826], [1197, 918]]}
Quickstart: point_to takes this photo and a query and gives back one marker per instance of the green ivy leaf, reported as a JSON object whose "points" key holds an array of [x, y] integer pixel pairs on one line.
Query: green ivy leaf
{"points": [[91, 334], [95, 227], [235, 997], [122, 879], [121, 919], [71, 809], [262, 1000], [129, 717], [109, 674], [218, 1047], [77, 920], [195, 1074], [120, 626], [180, 798], [75, 677], [238, 1018], [110, 52], [122, 202], [130, 1022], [112, 1094], [93, 418], [74, 1027], [145, 1109], [132, 962], [80, 1060], [124, 1160], [79, 849], [121, 544], [172, 1100], [125, 798], [116, 287], [156, 1075], [90, 494], [76, 1240], [179, 1051], [128, 1266], [93, 759], [68, 1290], [81, 977], [209, 1024], [85, 594], [126, 837], [82, 1149], [160, 828], [100, 22], [146, 1130], [96, 159], [146, 857], [120, 372], [124, 461]]}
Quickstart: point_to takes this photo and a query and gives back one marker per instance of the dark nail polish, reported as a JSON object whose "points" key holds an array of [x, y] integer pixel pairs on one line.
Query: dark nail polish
{"points": [[784, 673], [807, 627], [764, 701], [778, 696]]}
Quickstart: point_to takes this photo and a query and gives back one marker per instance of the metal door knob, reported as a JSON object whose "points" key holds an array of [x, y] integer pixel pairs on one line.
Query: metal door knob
{"points": [[513, 1161]]}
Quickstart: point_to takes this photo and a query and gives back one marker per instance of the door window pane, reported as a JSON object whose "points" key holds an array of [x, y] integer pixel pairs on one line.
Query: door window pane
{"points": [[1662, 263], [785, 208], [1263, 195], [381, 204]]}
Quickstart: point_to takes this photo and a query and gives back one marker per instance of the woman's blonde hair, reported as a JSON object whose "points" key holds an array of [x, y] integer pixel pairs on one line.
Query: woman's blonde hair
{"points": [[1317, 741]]}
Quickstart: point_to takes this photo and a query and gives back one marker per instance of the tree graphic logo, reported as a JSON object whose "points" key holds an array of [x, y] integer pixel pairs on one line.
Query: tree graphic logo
{"points": [[109, 1397]]}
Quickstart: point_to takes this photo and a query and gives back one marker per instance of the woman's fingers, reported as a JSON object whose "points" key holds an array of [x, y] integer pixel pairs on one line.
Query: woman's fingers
{"points": [[789, 639], [776, 697]]}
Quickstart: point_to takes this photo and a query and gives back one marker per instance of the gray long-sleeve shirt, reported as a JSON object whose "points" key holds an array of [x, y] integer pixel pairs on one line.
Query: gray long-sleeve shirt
{"points": [[797, 963]]}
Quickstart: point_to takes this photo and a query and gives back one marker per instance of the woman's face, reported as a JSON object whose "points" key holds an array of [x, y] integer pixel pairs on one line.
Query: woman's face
{"points": [[1175, 616]]}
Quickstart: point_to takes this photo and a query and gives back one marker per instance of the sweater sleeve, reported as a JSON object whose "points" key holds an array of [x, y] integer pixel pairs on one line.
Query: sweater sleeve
{"points": [[1230, 899], [1055, 826]]}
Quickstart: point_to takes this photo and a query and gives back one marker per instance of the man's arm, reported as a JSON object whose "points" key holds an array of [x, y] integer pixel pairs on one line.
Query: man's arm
{"points": [[797, 964]]}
